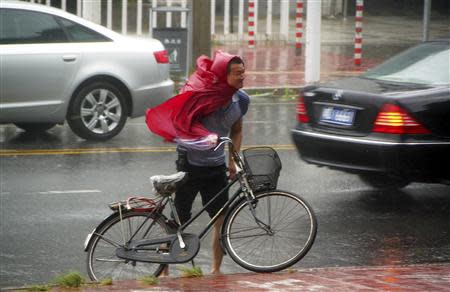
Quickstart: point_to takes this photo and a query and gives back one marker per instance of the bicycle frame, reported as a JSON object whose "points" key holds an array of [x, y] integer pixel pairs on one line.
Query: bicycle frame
{"points": [[219, 213], [244, 189], [247, 232]]}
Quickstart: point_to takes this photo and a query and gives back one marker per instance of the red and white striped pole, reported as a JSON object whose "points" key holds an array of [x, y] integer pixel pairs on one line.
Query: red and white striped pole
{"points": [[358, 31], [251, 24], [299, 26]]}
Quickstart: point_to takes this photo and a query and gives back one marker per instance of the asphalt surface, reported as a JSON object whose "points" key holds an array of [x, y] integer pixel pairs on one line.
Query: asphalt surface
{"points": [[55, 189]]}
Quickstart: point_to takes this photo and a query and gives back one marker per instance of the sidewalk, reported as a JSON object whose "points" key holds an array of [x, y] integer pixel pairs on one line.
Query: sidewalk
{"points": [[274, 64], [428, 277]]}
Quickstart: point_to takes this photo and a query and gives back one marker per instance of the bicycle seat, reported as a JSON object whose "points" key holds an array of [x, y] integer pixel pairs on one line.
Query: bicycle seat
{"points": [[165, 185]]}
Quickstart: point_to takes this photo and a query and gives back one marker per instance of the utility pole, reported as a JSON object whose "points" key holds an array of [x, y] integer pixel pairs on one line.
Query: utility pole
{"points": [[312, 54], [426, 19], [201, 30]]}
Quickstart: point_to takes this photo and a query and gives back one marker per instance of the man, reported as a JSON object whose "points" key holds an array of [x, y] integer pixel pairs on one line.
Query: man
{"points": [[210, 105], [206, 168]]}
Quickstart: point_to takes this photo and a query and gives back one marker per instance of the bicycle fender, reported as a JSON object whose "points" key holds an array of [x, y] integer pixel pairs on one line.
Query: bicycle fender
{"points": [[88, 239]]}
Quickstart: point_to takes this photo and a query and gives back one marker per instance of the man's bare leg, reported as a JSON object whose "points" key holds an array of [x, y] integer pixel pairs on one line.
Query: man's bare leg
{"points": [[217, 250], [165, 272]]}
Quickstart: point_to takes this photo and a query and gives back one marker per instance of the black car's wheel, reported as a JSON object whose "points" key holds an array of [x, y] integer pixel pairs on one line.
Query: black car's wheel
{"points": [[384, 181], [35, 127], [98, 111]]}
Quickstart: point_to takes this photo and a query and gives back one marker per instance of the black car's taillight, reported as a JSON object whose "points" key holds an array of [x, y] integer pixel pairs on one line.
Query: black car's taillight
{"points": [[302, 113], [162, 57], [392, 119]]}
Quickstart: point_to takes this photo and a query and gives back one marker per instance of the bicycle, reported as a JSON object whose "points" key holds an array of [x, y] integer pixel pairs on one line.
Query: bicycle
{"points": [[265, 229]]}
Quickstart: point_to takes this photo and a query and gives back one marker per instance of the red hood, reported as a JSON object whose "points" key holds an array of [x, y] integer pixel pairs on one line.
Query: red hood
{"points": [[205, 91], [210, 73]]}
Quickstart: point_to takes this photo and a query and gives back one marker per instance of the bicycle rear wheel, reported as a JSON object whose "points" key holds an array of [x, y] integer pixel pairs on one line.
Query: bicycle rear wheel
{"points": [[102, 261], [284, 234]]}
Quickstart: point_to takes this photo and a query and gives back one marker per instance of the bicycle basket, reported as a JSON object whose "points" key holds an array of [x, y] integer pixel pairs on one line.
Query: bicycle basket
{"points": [[263, 167]]}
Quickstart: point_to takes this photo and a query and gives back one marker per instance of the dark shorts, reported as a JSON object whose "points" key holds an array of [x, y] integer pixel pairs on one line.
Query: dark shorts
{"points": [[207, 181]]}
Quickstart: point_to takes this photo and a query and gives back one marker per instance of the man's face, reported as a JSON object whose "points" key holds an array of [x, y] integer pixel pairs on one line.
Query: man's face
{"points": [[236, 76]]}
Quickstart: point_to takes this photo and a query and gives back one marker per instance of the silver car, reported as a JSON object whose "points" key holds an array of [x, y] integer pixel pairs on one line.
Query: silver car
{"points": [[56, 66]]}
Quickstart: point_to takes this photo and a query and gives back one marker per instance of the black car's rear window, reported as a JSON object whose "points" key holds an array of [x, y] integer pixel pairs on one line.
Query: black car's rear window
{"points": [[427, 63]]}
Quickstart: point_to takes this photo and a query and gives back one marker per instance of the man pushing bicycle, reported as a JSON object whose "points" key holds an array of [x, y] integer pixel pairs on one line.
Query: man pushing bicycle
{"points": [[209, 106]]}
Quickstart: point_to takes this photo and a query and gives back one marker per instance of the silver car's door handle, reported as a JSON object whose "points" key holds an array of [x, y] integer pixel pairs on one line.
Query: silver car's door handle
{"points": [[69, 58]]}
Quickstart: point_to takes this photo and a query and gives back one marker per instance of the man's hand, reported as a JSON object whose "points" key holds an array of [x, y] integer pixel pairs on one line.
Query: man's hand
{"points": [[232, 170], [236, 137], [212, 140]]}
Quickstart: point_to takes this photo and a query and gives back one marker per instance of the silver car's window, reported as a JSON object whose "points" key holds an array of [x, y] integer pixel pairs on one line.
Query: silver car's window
{"points": [[79, 33], [427, 63], [29, 27]]}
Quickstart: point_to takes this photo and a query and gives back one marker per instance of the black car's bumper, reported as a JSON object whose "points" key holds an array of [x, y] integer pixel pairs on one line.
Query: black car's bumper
{"points": [[354, 154]]}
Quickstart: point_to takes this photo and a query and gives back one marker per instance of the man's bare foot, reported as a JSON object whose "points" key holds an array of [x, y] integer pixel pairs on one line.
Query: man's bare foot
{"points": [[216, 272]]}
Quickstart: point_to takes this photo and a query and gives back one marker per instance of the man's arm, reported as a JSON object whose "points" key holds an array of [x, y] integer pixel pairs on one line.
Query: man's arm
{"points": [[236, 137]]}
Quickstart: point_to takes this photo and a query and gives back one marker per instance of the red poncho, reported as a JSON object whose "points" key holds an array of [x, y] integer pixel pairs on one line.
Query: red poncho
{"points": [[205, 91]]}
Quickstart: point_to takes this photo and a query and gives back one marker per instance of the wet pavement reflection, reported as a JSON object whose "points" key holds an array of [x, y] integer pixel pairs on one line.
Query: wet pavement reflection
{"points": [[56, 188]]}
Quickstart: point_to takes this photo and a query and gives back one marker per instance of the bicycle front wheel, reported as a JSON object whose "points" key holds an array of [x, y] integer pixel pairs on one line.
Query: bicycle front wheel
{"points": [[270, 234], [102, 262]]}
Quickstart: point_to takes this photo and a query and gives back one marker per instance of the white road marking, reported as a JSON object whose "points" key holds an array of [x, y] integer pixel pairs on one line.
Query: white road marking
{"points": [[69, 192]]}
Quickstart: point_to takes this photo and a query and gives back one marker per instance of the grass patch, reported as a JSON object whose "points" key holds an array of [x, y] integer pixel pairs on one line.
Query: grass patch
{"points": [[290, 93], [291, 270], [193, 272], [38, 288], [149, 280], [70, 280], [106, 282]]}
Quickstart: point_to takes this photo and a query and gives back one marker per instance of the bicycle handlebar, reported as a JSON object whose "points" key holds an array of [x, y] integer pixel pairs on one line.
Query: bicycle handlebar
{"points": [[223, 140]]}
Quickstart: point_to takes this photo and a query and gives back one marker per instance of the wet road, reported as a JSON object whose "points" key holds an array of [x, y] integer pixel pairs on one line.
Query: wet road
{"points": [[55, 189]]}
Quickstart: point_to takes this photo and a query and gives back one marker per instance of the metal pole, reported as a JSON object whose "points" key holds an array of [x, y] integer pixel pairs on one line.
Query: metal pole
{"points": [[241, 19], [213, 17], [150, 23], [345, 9], [269, 17], [109, 14], [226, 17], [251, 24], [190, 34], [298, 27], [358, 32], [139, 17], [426, 19], [312, 54], [124, 16], [284, 19]]}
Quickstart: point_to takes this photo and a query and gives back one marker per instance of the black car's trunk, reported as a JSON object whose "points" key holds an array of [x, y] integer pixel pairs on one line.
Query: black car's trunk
{"points": [[350, 106]]}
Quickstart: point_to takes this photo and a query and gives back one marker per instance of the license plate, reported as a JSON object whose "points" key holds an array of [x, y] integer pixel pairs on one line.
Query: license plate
{"points": [[337, 116]]}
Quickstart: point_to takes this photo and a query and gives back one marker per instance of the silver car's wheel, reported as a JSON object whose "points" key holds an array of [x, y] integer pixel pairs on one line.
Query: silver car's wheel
{"points": [[98, 112]]}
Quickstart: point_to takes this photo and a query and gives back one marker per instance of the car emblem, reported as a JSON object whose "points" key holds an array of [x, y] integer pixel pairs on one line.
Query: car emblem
{"points": [[338, 94]]}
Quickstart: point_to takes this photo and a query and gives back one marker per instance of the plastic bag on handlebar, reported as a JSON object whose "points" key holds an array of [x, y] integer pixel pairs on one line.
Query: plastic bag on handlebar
{"points": [[204, 143]]}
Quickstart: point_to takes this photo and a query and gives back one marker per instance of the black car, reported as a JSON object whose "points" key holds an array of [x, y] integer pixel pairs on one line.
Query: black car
{"points": [[391, 125]]}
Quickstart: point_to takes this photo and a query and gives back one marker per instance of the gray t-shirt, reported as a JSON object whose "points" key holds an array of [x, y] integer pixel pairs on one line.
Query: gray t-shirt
{"points": [[219, 122]]}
